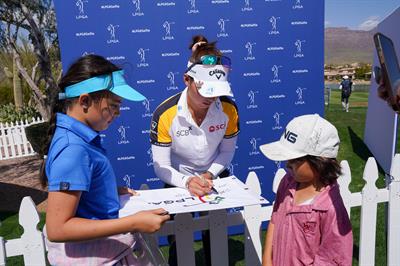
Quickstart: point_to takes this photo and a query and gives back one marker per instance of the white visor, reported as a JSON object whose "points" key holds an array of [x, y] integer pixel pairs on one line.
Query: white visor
{"points": [[213, 80]]}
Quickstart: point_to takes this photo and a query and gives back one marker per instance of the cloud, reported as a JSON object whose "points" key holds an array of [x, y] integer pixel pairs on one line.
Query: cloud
{"points": [[327, 23], [370, 23]]}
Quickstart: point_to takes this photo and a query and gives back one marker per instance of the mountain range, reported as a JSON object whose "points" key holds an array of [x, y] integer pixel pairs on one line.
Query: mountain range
{"points": [[344, 46]]}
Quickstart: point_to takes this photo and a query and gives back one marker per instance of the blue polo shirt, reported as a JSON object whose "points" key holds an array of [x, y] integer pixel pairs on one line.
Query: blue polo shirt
{"points": [[77, 162]]}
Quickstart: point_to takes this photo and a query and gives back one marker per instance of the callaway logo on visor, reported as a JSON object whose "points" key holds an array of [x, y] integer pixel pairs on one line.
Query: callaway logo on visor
{"points": [[217, 73]]}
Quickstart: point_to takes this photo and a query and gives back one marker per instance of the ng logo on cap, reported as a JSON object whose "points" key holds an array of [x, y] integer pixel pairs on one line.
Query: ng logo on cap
{"points": [[290, 136]]}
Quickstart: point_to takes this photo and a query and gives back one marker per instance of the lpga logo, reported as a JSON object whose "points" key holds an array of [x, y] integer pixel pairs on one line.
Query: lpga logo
{"points": [[150, 153], [138, 11], [254, 150], [142, 55], [249, 47], [111, 28], [231, 168], [247, 6], [122, 135], [171, 77], [80, 5], [221, 24], [167, 27], [251, 96], [297, 4], [299, 92], [274, 30], [298, 44], [277, 117], [127, 178], [193, 9], [146, 104], [275, 72]]}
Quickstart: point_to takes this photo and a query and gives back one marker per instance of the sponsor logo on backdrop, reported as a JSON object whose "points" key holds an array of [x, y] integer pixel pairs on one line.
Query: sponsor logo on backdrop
{"points": [[252, 95], [299, 92], [277, 96], [84, 34], [249, 25], [249, 47], [192, 9], [146, 104], [122, 135], [109, 6], [299, 71], [200, 27], [254, 147], [275, 48], [297, 4], [115, 57], [273, 0], [125, 158], [254, 122], [166, 4], [124, 108], [299, 45], [167, 27], [222, 31], [138, 10], [274, 27], [275, 74], [142, 57], [143, 30], [295, 23], [150, 154], [145, 81], [170, 54], [277, 118], [111, 29], [127, 179], [256, 167], [80, 4], [171, 77], [220, 2], [247, 6], [251, 74]]}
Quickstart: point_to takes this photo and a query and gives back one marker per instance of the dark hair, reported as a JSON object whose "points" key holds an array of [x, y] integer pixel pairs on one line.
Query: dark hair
{"points": [[85, 67], [206, 48], [328, 169]]}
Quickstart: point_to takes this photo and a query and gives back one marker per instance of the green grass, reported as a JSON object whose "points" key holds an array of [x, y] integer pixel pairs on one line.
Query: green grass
{"points": [[351, 129]]}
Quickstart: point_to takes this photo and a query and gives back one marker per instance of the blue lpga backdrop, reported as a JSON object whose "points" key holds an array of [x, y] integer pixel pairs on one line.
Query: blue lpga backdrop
{"points": [[276, 47]]}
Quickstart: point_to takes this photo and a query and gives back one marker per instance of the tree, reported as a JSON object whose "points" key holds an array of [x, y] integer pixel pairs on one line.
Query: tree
{"points": [[36, 18]]}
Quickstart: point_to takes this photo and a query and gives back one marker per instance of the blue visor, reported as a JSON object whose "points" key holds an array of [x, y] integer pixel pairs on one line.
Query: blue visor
{"points": [[114, 82]]}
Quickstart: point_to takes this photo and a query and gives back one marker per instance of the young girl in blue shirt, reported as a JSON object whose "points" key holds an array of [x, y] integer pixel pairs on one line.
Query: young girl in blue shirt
{"points": [[82, 223]]}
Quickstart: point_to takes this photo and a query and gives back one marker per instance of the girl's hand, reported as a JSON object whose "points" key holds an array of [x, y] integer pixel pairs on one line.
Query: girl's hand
{"points": [[199, 187], [126, 190], [150, 221]]}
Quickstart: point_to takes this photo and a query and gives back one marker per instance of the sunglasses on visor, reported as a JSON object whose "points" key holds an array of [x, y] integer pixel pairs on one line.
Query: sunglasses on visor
{"points": [[212, 60]]}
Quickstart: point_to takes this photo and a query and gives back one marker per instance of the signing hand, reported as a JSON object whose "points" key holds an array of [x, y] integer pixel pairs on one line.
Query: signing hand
{"points": [[199, 186]]}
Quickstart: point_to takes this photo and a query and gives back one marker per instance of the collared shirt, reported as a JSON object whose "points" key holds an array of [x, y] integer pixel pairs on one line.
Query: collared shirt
{"points": [[77, 162], [193, 148], [315, 234]]}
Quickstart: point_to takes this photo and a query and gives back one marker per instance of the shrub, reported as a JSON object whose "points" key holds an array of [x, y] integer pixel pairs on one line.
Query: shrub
{"points": [[8, 113], [37, 136]]}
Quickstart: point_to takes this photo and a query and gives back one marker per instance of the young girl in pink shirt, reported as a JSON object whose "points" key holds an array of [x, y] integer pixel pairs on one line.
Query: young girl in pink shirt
{"points": [[309, 223]]}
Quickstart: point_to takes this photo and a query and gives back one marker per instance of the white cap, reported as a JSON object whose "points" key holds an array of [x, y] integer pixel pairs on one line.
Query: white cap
{"points": [[304, 135], [214, 80], [345, 77]]}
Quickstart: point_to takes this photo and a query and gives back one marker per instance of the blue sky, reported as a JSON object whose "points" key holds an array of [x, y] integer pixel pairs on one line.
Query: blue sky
{"points": [[358, 14]]}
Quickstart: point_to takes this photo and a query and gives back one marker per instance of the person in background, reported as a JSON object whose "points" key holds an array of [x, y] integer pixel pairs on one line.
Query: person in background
{"points": [[82, 223], [309, 224], [193, 133], [346, 86]]}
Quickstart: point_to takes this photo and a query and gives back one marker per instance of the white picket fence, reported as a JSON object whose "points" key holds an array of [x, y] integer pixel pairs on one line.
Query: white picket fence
{"points": [[31, 244], [13, 141]]}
